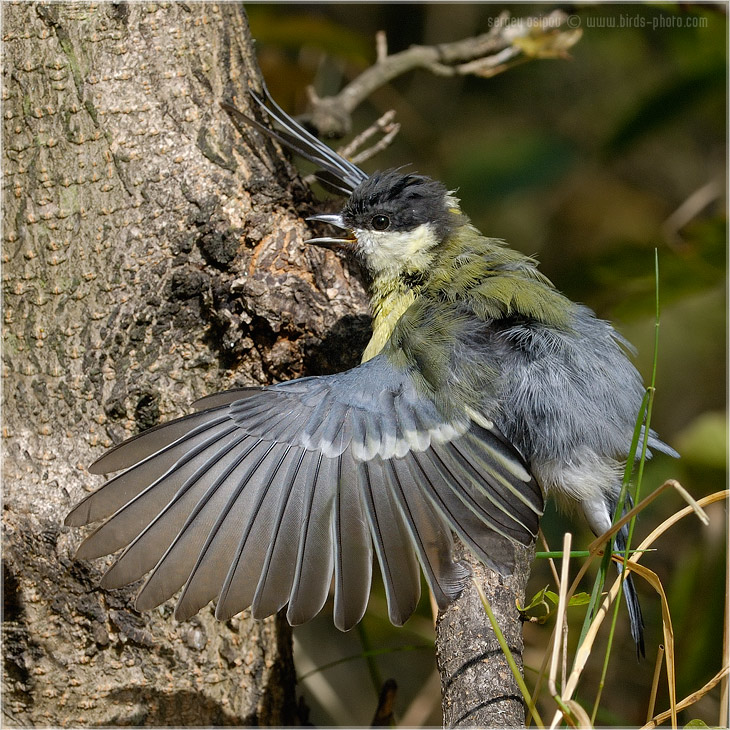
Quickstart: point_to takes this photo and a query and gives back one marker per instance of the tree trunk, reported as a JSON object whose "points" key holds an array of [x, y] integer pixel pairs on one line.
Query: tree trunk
{"points": [[478, 688], [151, 256]]}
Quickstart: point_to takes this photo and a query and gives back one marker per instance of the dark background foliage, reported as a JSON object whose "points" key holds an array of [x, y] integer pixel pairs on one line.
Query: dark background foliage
{"points": [[591, 164]]}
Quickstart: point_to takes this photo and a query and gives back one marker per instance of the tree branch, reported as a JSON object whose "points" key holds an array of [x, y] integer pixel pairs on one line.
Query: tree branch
{"points": [[477, 687], [509, 40]]}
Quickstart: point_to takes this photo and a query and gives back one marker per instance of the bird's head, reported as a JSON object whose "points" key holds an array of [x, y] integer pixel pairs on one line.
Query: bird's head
{"points": [[394, 221]]}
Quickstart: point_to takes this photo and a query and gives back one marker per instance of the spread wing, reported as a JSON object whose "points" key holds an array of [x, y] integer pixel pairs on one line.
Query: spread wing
{"points": [[262, 495]]}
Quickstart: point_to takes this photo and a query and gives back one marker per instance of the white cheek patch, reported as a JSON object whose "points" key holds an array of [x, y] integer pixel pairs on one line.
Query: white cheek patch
{"points": [[367, 240], [392, 251]]}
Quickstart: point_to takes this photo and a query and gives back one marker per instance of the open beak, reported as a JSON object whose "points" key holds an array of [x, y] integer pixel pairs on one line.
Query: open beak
{"points": [[346, 243]]}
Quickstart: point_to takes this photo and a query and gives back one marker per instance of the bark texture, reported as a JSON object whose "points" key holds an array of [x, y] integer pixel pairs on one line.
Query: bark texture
{"points": [[478, 688], [150, 256]]}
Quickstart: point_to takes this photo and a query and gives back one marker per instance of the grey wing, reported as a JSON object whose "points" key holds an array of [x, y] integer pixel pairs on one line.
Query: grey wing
{"points": [[264, 495]]}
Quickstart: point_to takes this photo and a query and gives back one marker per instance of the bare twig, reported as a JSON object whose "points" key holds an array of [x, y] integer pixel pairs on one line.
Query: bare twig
{"points": [[690, 209], [509, 40], [389, 129], [384, 125]]}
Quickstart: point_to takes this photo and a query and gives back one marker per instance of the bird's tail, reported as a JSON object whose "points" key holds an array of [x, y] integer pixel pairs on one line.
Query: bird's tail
{"points": [[632, 599]]}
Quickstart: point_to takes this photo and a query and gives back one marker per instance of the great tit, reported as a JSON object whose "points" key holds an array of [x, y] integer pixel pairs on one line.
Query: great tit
{"points": [[482, 390]]}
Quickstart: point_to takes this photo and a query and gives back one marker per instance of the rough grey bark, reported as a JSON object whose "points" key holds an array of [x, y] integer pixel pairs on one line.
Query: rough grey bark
{"points": [[478, 688], [151, 255]]}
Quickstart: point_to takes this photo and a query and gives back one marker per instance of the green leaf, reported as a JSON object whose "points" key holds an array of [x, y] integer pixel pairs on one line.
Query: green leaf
{"points": [[537, 599], [552, 596], [580, 599], [537, 610]]}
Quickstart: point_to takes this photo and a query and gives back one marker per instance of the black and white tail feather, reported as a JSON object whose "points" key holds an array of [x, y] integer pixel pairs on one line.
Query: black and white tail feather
{"points": [[636, 619], [334, 171]]}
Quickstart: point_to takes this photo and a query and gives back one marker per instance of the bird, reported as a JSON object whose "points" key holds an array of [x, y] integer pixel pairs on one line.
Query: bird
{"points": [[482, 391]]}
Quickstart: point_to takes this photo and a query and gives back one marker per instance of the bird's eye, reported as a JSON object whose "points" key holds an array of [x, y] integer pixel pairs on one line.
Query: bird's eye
{"points": [[380, 222]]}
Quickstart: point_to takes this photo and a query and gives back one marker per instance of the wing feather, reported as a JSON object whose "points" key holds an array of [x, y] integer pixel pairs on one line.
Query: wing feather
{"points": [[126, 523], [277, 574], [245, 570], [353, 547], [457, 480], [430, 535], [155, 439], [147, 549], [226, 397], [314, 559], [211, 567], [177, 563], [460, 517], [124, 487], [392, 544], [493, 482]]}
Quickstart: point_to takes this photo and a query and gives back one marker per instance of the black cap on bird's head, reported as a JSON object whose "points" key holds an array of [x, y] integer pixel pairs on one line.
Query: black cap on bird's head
{"points": [[394, 202], [405, 200]]}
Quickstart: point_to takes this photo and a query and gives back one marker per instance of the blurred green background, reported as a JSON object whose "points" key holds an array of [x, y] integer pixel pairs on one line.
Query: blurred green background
{"points": [[589, 163]]}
